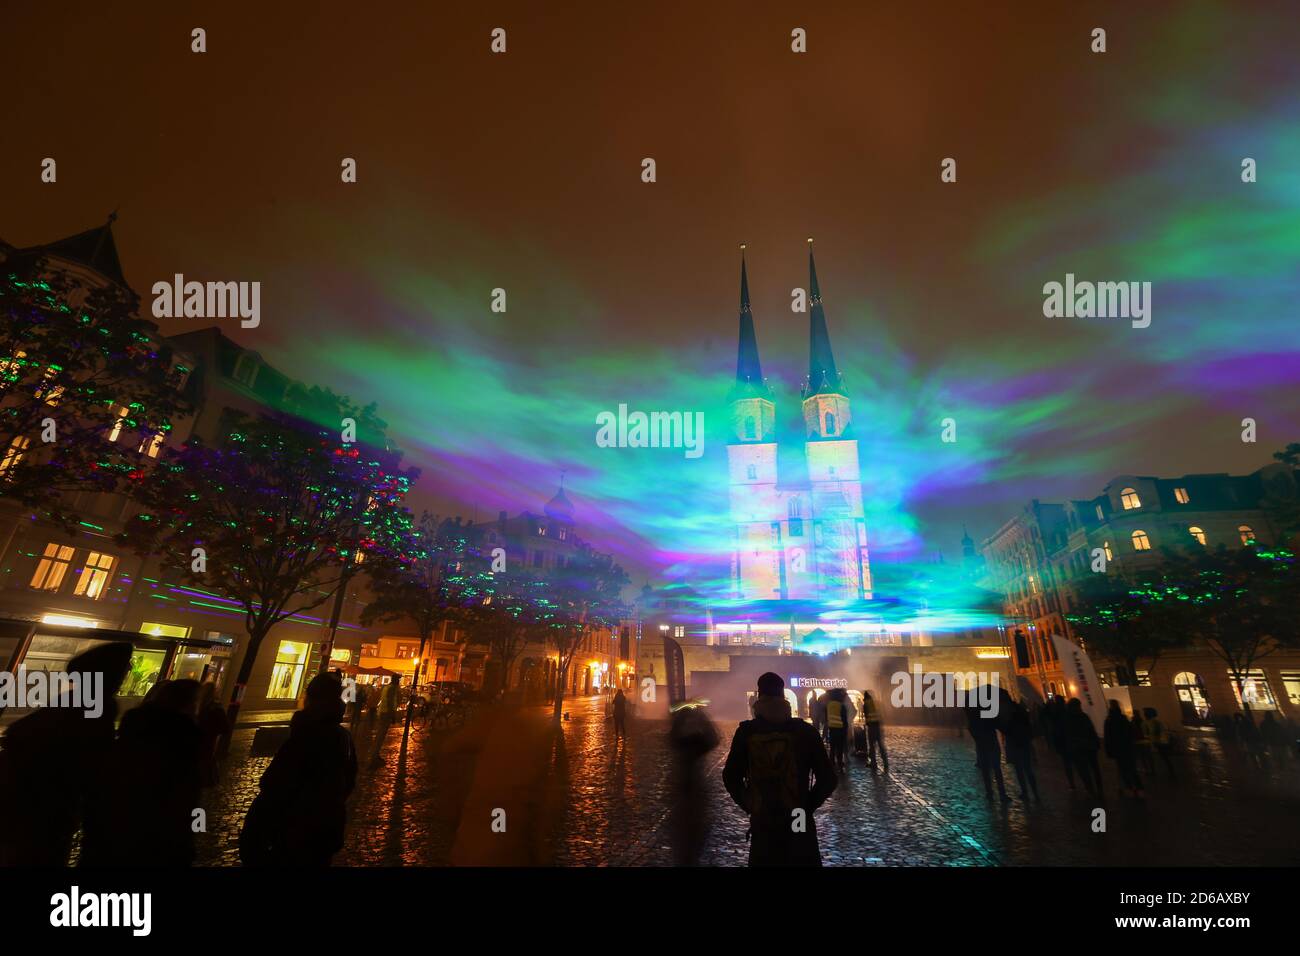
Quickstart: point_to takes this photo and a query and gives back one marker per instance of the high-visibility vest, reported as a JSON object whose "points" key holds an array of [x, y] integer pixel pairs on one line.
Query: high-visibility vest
{"points": [[835, 714], [869, 712]]}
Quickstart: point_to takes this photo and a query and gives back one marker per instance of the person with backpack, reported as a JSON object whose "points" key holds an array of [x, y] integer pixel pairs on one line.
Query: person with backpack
{"points": [[767, 773], [299, 815]]}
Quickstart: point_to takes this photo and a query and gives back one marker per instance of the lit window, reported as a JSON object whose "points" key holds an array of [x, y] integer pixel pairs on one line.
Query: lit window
{"points": [[94, 576], [541, 531], [117, 424], [1180, 494], [564, 533], [14, 454], [1140, 541], [679, 630], [1129, 499], [1254, 689], [52, 567], [1247, 536], [48, 392], [1106, 547], [11, 368], [1198, 534], [151, 446], [1100, 515], [286, 676]]}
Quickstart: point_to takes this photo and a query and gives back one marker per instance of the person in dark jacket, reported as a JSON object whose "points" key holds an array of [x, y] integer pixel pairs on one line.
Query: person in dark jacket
{"points": [[988, 753], [214, 725], [767, 774], [52, 764], [1082, 744], [299, 816], [1121, 747], [620, 714], [145, 815], [1019, 736], [1055, 720]]}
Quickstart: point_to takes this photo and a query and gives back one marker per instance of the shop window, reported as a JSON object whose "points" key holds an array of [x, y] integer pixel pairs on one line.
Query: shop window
{"points": [[1129, 499], [1192, 702], [164, 630], [146, 668], [53, 566], [286, 676], [1254, 690], [1291, 687], [95, 575]]}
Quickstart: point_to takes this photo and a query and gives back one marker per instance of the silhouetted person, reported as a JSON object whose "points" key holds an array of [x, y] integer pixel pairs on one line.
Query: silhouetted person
{"points": [[145, 816], [1019, 736], [1248, 734], [214, 724], [1273, 735], [1154, 730], [392, 697], [692, 736], [298, 818], [1082, 744], [1055, 720], [875, 734], [359, 703], [838, 720], [620, 714], [1143, 746], [988, 753], [1121, 747], [52, 763], [767, 774], [818, 710]]}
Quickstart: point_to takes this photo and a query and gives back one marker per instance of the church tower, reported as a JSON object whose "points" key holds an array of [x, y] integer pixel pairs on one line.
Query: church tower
{"points": [[839, 529], [751, 461]]}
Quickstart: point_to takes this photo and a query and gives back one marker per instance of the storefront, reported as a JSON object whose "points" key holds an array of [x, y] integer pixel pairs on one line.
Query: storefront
{"points": [[161, 653]]}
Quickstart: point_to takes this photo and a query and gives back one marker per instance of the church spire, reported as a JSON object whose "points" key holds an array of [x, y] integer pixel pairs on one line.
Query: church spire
{"points": [[823, 376], [749, 372]]}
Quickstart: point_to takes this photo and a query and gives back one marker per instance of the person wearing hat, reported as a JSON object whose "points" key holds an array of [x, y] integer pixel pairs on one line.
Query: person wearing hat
{"points": [[767, 773]]}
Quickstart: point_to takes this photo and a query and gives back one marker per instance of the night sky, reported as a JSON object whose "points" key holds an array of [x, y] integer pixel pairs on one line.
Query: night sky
{"points": [[522, 171]]}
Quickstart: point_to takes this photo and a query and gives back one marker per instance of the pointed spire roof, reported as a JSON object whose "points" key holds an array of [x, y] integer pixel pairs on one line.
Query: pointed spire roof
{"points": [[94, 248], [823, 376], [749, 371]]}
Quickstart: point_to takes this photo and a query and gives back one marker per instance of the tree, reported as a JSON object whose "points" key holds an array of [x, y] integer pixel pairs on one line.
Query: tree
{"points": [[1282, 497], [1249, 602], [1129, 622], [271, 514], [435, 577], [583, 595], [86, 390], [512, 617]]}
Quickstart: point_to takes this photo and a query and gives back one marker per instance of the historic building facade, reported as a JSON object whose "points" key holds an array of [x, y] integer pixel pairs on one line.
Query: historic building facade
{"points": [[1035, 559]]}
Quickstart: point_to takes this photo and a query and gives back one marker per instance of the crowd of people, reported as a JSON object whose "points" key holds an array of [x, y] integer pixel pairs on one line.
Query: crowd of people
{"points": [[134, 788]]}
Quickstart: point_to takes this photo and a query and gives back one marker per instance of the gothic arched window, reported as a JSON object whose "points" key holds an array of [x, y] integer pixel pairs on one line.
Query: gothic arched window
{"points": [[830, 424], [749, 427]]}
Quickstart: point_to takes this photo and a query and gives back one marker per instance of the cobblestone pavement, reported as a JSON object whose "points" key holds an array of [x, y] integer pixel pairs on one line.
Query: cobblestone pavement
{"points": [[605, 803]]}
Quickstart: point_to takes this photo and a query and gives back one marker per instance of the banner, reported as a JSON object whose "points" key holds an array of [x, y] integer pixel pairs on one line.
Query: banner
{"points": [[675, 668], [1082, 679]]}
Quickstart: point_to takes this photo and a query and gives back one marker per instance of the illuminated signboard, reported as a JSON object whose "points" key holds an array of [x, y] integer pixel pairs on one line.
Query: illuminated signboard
{"points": [[824, 682]]}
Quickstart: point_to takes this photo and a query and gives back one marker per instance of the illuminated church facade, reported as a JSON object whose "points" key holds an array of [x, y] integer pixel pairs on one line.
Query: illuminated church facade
{"points": [[800, 534]]}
